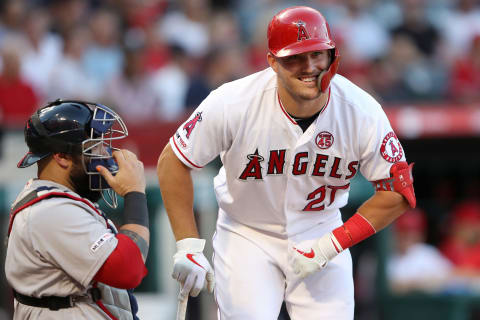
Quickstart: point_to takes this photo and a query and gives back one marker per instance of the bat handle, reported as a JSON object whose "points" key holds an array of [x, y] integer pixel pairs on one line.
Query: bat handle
{"points": [[182, 308]]}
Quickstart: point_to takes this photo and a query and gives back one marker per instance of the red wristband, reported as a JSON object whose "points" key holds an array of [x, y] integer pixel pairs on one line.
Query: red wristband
{"points": [[356, 229]]}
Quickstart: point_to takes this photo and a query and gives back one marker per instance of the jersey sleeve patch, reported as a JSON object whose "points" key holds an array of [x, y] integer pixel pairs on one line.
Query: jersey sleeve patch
{"points": [[190, 124], [391, 149], [180, 141], [101, 241], [181, 155]]}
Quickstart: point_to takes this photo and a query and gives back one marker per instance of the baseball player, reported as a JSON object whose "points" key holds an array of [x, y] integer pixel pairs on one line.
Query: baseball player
{"points": [[290, 138], [65, 259]]}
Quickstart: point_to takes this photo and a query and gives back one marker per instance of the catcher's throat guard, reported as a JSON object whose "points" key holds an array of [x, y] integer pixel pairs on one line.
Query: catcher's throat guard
{"points": [[401, 181]]}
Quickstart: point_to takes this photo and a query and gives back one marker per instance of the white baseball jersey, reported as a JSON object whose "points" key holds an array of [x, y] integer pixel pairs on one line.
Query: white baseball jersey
{"points": [[56, 247], [275, 177]]}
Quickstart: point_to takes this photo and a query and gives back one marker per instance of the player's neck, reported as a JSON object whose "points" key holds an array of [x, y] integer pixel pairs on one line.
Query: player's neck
{"points": [[54, 173], [301, 108]]}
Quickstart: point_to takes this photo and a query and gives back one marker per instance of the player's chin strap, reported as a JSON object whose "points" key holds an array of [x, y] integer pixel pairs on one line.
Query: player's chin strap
{"points": [[401, 181]]}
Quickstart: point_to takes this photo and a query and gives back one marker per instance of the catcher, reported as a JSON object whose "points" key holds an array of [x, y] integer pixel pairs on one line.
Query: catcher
{"points": [[65, 259]]}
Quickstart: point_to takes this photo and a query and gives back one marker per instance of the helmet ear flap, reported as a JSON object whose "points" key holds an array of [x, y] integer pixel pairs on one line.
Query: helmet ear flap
{"points": [[323, 81]]}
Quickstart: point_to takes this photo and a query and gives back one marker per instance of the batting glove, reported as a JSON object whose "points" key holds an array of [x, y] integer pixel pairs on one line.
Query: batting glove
{"points": [[316, 257], [191, 268]]}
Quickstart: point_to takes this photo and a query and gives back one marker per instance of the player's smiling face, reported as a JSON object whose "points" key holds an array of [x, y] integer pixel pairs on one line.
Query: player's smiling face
{"points": [[298, 74]]}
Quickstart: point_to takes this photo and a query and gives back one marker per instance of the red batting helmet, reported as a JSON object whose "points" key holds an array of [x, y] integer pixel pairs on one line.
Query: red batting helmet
{"points": [[302, 29]]}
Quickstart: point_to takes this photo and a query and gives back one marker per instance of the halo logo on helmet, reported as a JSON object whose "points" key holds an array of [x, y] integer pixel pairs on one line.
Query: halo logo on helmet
{"points": [[81, 128], [302, 32], [300, 29]]}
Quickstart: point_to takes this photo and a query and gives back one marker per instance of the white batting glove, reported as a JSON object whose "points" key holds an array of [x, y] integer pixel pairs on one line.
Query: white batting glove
{"points": [[191, 268], [314, 258]]}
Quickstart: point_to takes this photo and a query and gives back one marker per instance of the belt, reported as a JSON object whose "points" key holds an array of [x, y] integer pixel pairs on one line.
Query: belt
{"points": [[56, 303]]}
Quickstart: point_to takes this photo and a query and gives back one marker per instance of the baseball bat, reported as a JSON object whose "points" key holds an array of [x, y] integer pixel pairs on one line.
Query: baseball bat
{"points": [[182, 308]]}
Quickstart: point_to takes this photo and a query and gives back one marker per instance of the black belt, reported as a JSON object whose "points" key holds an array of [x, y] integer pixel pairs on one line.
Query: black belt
{"points": [[53, 302]]}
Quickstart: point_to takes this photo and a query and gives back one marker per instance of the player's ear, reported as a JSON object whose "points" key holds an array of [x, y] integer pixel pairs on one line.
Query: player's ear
{"points": [[272, 61], [63, 160]]}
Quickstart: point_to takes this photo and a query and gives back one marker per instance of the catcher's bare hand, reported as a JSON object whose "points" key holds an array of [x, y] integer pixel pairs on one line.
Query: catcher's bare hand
{"points": [[130, 176]]}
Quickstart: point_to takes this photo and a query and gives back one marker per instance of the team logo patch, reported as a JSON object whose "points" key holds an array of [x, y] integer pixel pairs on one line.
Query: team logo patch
{"points": [[190, 125], [302, 32], [253, 168], [324, 140], [101, 241], [391, 149]]}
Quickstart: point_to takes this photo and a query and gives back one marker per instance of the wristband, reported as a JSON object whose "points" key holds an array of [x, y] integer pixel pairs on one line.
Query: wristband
{"points": [[354, 230], [190, 245], [135, 209]]}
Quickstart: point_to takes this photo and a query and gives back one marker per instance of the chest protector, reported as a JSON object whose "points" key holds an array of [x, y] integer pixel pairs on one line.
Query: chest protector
{"points": [[118, 304]]}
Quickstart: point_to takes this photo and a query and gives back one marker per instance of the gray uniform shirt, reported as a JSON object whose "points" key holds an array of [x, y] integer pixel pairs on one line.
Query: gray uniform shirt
{"points": [[55, 248]]}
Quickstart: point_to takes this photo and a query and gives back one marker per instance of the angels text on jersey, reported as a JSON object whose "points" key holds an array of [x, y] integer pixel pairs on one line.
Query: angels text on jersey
{"points": [[276, 164]]}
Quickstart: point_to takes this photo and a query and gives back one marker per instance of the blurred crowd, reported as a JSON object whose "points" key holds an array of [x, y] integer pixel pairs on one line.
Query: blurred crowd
{"points": [[450, 267], [156, 59]]}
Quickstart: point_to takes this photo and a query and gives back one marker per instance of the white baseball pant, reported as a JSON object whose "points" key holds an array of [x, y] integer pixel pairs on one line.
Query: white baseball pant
{"points": [[254, 277]]}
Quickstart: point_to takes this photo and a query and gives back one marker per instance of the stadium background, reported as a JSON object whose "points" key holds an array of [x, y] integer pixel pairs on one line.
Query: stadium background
{"points": [[155, 60]]}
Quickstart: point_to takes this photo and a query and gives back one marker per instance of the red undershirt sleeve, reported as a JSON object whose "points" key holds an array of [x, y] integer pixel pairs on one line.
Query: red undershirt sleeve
{"points": [[124, 268]]}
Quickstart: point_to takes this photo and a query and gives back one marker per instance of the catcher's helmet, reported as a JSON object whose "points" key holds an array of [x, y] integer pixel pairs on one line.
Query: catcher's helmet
{"points": [[302, 29], [76, 127]]}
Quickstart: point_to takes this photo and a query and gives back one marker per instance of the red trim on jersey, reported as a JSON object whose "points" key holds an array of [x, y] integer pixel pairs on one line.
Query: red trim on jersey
{"points": [[50, 194], [284, 111], [290, 118], [193, 164], [356, 229], [328, 100], [124, 268], [104, 309], [102, 306]]}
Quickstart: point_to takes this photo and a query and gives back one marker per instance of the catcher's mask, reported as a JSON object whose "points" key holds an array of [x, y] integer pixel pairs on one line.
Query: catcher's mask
{"points": [[77, 128]]}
